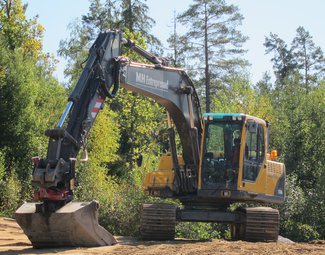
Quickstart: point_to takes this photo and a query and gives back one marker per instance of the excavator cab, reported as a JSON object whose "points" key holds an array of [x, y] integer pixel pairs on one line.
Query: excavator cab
{"points": [[235, 162]]}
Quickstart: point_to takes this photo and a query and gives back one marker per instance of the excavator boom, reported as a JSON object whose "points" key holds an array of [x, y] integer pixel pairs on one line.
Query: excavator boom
{"points": [[57, 221]]}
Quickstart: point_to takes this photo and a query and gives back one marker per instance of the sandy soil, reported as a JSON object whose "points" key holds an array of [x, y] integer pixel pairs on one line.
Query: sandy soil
{"points": [[13, 241]]}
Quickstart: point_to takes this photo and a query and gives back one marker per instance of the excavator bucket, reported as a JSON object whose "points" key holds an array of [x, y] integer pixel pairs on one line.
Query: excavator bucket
{"points": [[75, 224]]}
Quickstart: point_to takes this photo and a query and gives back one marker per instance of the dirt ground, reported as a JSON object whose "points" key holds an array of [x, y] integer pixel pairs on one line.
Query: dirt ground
{"points": [[13, 241]]}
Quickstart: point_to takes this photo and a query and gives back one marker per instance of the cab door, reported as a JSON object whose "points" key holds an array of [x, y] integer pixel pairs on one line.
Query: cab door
{"points": [[253, 172]]}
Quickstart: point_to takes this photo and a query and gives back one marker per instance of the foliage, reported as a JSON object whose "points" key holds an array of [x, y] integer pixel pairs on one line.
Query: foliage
{"points": [[17, 31], [303, 57], [177, 47], [29, 98], [9, 189], [283, 61], [298, 101], [120, 200], [310, 59], [242, 98], [299, 232], [295, 200], [103, 139], [104, 16], [135, 18], [202, 230]]}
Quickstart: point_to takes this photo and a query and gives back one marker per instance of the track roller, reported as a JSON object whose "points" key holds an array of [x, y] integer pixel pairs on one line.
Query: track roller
{"points": [[158, 221]]}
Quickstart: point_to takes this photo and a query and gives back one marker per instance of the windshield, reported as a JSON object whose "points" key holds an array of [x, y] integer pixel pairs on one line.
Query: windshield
{"points": [[221, 154]]}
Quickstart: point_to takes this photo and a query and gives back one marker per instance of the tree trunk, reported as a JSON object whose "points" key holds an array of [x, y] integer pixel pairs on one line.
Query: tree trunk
{"points": [[206, 58]]}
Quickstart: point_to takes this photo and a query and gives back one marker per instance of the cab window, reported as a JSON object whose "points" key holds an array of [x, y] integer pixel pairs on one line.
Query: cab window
{"points": [[254, 151], [221, 154]]}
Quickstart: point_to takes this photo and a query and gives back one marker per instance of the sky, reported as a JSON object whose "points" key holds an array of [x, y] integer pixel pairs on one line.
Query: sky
{"points": [[261, 17]]}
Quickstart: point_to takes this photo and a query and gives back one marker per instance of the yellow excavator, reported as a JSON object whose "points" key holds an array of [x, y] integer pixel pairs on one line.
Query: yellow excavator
{"points": [[224, 159]]}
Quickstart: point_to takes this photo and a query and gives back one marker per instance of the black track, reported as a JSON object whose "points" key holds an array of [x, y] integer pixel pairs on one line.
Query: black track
{"points": [[261, 225], [158, 221]]}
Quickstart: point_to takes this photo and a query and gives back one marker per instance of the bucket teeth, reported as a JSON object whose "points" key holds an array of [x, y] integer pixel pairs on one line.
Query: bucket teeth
{"points": [[74, 224]]}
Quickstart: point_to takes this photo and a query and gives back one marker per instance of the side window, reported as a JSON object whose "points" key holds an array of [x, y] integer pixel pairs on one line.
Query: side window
{"points": [[251, 146], [261, 144], [254, 151]]}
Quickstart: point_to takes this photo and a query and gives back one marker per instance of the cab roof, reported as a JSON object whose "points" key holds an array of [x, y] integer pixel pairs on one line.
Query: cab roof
{"points": [[220, 116]]}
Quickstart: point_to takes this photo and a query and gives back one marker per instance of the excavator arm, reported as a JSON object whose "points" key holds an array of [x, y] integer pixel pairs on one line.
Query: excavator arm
{"points": [[55, 174], [104, 72]]}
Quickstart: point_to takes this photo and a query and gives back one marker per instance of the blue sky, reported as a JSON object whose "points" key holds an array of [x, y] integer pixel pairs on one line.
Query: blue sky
{"points": [[281, 17]]}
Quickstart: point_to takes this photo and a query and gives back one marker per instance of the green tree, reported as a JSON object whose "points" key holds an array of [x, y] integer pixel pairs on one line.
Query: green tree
{"points": [[213, 39], [242, 98], [283, 61], [304, 158], [17, 31], [302, 57], [264, 86], [103, 15], [29, 96], [296, 125], [177, 46], [310, 59], [134, 17]]}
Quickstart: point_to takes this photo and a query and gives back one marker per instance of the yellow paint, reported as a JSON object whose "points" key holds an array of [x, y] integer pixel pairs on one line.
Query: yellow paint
{"points": [[269, 173], [201, 156], [164, 176], [265, 183]]}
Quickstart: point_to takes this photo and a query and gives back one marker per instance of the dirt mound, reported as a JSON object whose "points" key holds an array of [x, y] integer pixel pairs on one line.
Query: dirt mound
{"points": [[13, 241]]}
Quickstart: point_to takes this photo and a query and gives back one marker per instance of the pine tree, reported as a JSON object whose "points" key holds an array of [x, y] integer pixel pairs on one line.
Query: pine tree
{"points": [[214, 42], [283, 59], [134, 17], [310, 58], [176, 46]]}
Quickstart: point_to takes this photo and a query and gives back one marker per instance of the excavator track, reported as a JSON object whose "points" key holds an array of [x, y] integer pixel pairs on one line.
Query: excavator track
{"points": [[261, 225], [158, 221]]}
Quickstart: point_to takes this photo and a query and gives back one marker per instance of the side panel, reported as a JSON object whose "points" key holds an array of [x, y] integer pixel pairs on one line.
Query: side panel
{"points": [[162, 180]]}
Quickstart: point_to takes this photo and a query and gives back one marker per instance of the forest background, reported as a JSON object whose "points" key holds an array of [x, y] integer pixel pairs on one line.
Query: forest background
{"points": [[212, 51]]}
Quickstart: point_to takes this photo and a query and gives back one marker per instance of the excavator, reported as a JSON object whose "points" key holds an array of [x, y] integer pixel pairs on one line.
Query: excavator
{"points": [[225, 159]]}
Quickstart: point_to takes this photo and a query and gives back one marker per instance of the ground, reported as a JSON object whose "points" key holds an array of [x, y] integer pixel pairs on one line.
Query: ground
{"points": [[13, 241]]}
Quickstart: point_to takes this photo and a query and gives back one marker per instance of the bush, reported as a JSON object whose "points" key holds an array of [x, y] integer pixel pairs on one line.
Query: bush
{"points": [[299, 232], [120, 201], [201, 230], [10, 188]]}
